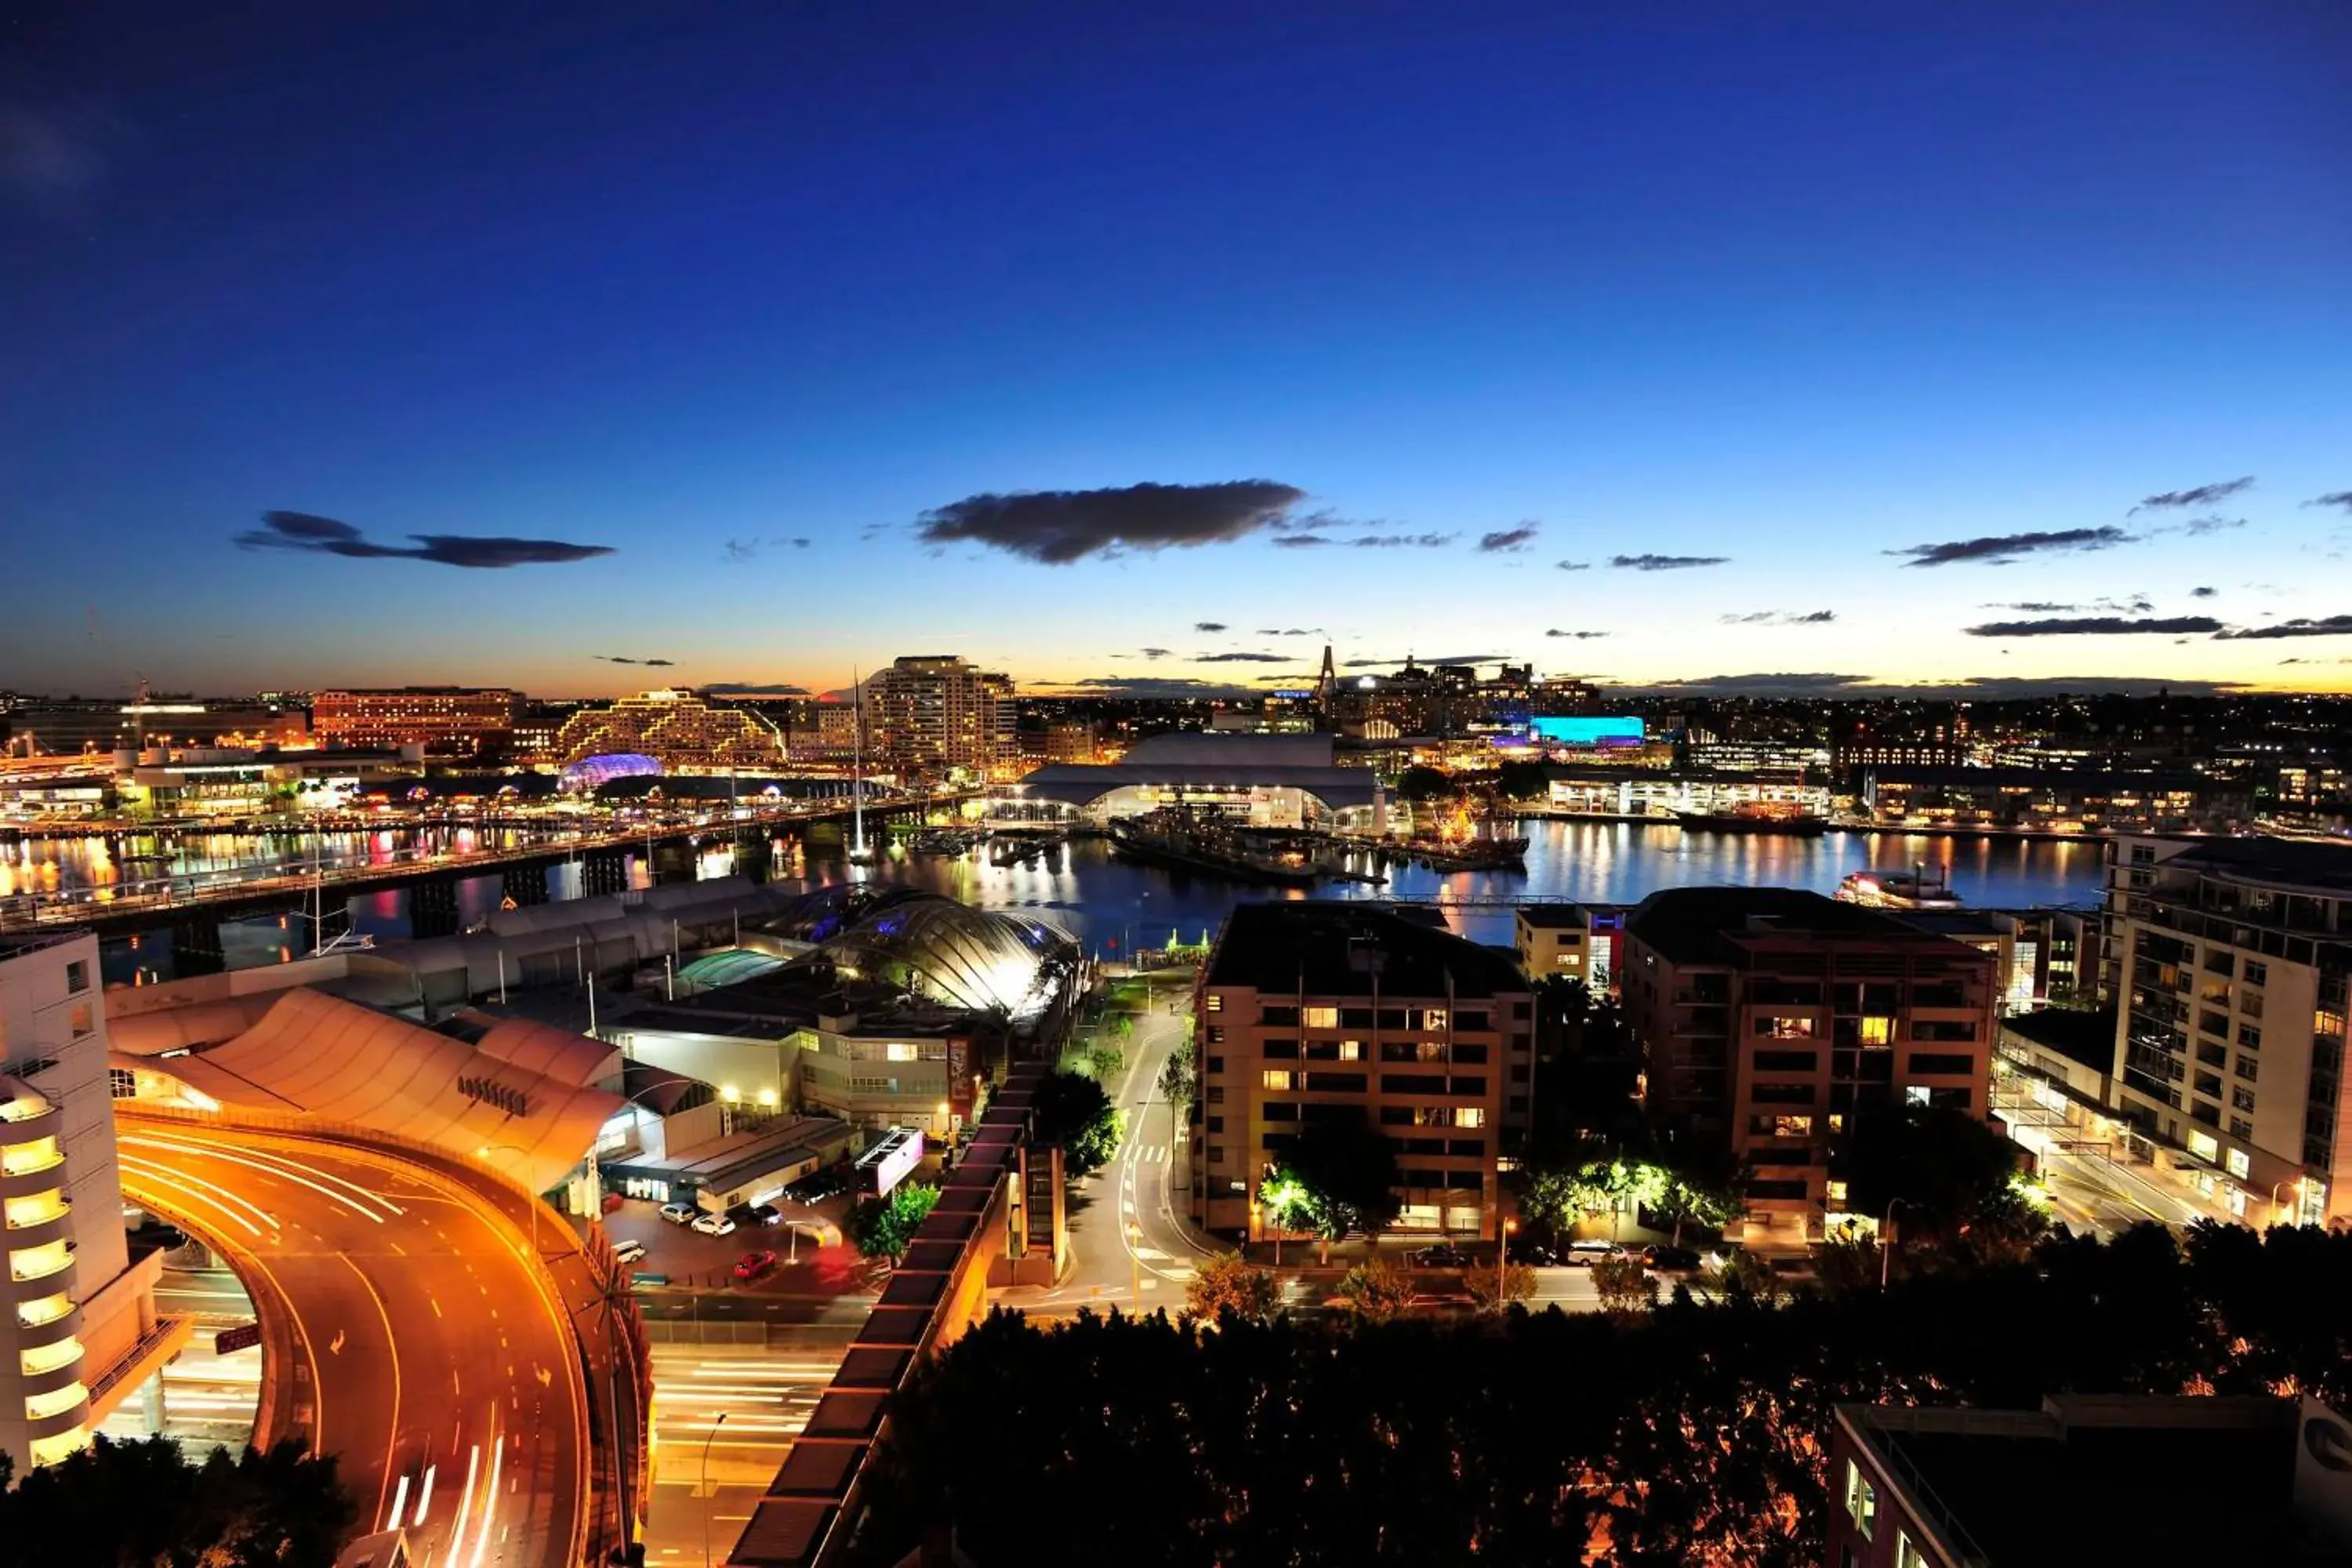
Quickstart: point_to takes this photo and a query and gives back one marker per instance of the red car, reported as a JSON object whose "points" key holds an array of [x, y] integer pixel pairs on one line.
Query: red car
{"points": [[751, 1265]]}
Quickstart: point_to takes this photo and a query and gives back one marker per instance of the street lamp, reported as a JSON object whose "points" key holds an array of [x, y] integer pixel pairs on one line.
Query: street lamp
{"points": [[1502, 1258], [2295, 1181], [705, 1486], [1886, 1237]]}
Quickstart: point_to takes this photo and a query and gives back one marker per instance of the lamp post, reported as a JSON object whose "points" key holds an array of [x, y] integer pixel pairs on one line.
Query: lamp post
{"points": [[1503, 1257], [1886, 1237], [703, 1486], [2294, 1182]]}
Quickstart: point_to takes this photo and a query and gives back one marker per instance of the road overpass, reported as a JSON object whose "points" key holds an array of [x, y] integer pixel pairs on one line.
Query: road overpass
{"points": [[409, 1330]]}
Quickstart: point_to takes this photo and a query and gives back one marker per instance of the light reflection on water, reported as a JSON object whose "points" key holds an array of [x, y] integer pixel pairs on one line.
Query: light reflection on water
{"points": [[1085, 888]]}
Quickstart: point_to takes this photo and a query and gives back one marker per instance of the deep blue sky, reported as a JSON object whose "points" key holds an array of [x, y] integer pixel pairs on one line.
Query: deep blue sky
{"points": [[1681, 280]]}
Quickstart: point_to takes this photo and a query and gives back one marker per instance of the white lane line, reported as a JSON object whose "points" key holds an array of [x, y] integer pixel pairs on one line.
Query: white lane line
{"points": [[287, 1162], [399, 1503], [203, 1191], [464, 1505], [490, 1504], [333, 1198], [424, 1496]]}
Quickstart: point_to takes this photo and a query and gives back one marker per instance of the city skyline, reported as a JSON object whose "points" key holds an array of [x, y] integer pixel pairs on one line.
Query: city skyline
{"points": [[1697, 350]]}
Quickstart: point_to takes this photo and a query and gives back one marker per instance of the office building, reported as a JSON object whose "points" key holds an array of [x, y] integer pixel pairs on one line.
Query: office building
{"points": [[81, 727], [80, 1330], [1768, 1017], [447, 719], [678, 728], [2231, 957], [2091, 1478], [930, 716], [1322, 1011]]}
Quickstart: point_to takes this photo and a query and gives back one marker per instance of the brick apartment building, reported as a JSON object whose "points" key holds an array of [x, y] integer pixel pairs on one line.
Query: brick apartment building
{"points": [[1311, 1011], [1769, 1017]]}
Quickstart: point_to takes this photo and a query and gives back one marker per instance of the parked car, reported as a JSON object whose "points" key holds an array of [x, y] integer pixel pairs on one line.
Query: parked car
{"points": [[713, 1225], [628, 1251], [1584, 1254], [1534, 1254], [751, 1265], [1677, 1259], [765, 1214], [743, 1216], [1444, 1255], [818, 1186], [679, 1214]]}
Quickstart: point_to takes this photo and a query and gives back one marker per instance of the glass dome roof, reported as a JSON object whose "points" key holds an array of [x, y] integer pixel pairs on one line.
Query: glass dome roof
{"points": [[950, 952]]}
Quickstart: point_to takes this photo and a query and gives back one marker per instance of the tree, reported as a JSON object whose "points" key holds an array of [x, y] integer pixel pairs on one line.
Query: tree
{"points": [[1942, 1165], [1624, 1284], [140, 1502], [1491, 1295], [1376, 1290], [1337, 1177], [1226, 1284], [1524, 780], [1074, 1110], [884, 1226], [1176, 1083], [1423, 784]]}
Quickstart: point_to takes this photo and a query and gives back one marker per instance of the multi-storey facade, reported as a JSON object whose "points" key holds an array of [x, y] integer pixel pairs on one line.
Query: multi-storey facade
{"points": [[1309, 1011], [1768, 1017], [438, 718], [678, 728], [2232, 958], [78, 1322], [931, 715]]}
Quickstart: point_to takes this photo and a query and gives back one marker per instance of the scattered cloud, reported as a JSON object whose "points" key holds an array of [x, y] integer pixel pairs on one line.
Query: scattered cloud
{"points": [[1241, 658], [1153, 653], [1156, 686], [1856, 687], [1509, 540], [1773, 683], [2335, 498], [2200, 495], [1426, 663], [1782, 619], [1999, 549], [2204, 593], [751, 689], [2095, 626], [649, 663], [1664, 563], [1402, 541], [2301, 627], [742, 550], [1300, 541], [1573, 565], [1580, 637], [299, 530], [1059, 527], [2198, 527], [1292, 632], [1208, 626]]}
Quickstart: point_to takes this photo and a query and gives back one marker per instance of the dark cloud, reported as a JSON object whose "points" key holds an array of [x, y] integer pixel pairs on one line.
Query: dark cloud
{"points": [[1300, 540], [799, 543], [1782, 619], [751, 689], [1988, 687], [325, 536], [1157, 686], [2204, 593], [1998, 549], [1774, 683], [617, 659], [1580, 637], [2032, 606], [1241, 658], [2335, 498], [1509, 540], [1664, 563], [2198, 527], [741, 550], [1153, 653], [1573, 565], [1058, 527], [1208, 626], [1402, 541], [2301, 627], [1292, 632], [1426, 662], [2200, 495], [2095, 626]]}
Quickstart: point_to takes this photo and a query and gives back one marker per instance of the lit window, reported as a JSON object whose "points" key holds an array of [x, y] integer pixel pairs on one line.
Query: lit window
{"points": [[2204, 1145], [48, 1358], [899, 1053], [1216, 1003], [77, 976], [1277, 1079], [38, 1209], [82, 1023], [1916, 1094], [1434, 1019], [1837, 1192], [24, 1159], [43, 1309], [1780, 1028], [1861, 1499], [1878, 1031], [1351, 1050], [2240, 1164], [1321, 1017], [1470, 1116], [1792, 1127], [1907, 1555], [57, 1402]]}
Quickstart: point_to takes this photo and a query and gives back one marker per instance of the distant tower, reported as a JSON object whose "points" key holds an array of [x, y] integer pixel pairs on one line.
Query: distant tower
{"points": [[1325, 683]]}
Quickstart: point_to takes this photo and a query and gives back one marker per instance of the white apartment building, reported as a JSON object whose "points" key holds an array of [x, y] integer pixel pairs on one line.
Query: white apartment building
{"points": [[78, 1326], [2230, 959], [930, 715]]}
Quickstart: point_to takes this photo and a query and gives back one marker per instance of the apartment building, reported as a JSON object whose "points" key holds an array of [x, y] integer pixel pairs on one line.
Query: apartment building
{"points": [[1319, 1011], [2232, 958], [677, 728], [1769, 1017], [1555, 940], [438, 718], [80, 1331], [935, 714]]}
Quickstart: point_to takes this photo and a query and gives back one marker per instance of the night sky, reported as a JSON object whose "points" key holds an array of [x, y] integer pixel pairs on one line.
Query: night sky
{"points": [[1764, 347]]}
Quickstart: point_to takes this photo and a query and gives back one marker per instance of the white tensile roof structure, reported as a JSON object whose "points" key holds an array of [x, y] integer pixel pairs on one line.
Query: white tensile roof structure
{"points": [[525, 1091]]}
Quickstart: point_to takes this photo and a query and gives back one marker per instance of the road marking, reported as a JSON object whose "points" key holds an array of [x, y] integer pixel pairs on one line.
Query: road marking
{"points": [[424, 1496], [435, 1303], [399, 1501]]}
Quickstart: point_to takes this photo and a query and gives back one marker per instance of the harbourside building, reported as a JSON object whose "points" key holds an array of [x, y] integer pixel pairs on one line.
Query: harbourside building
{"points": [[456, 720], [1257, 780], [676, 728], [936, 716]]}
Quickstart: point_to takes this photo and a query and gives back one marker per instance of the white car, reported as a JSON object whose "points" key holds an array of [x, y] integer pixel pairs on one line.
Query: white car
{"points": [[678, 1214], [628, 1251], [714, 1224]]}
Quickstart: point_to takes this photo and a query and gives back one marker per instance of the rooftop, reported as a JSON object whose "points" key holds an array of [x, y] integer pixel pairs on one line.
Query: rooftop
{"points": [[2287, 862], [1722, 925], [1331, 948], [1556, 917], [2085, 1037]]}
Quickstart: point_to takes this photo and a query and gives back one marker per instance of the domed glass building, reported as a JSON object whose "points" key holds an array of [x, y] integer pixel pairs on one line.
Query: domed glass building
{"points": [[586, 775], [936, 948]]}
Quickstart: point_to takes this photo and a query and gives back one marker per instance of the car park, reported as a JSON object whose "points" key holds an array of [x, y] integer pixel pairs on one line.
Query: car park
{"points": [[713, 1225], [679, 1214], [751, 1265]]}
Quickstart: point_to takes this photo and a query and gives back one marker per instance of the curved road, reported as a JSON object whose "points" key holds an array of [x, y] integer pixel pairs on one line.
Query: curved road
{"points": [[428, 1351]]}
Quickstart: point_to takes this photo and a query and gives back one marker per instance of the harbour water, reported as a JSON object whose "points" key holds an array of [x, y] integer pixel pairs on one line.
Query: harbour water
{"points": [[1112, 905]]}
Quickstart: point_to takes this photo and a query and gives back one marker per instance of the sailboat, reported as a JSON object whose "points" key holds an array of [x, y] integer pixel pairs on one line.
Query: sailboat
{"points": [[860, 852]]}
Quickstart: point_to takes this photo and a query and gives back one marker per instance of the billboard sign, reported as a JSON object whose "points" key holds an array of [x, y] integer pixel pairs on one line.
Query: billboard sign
{"points": [[891, 1159]]}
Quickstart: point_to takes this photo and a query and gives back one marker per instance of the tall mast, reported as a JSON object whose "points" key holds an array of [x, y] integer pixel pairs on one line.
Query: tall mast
{"points": [[857, 765]]}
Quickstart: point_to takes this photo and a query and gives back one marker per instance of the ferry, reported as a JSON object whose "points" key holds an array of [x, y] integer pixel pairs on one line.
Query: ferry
{"points": [[1897, 891]]}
